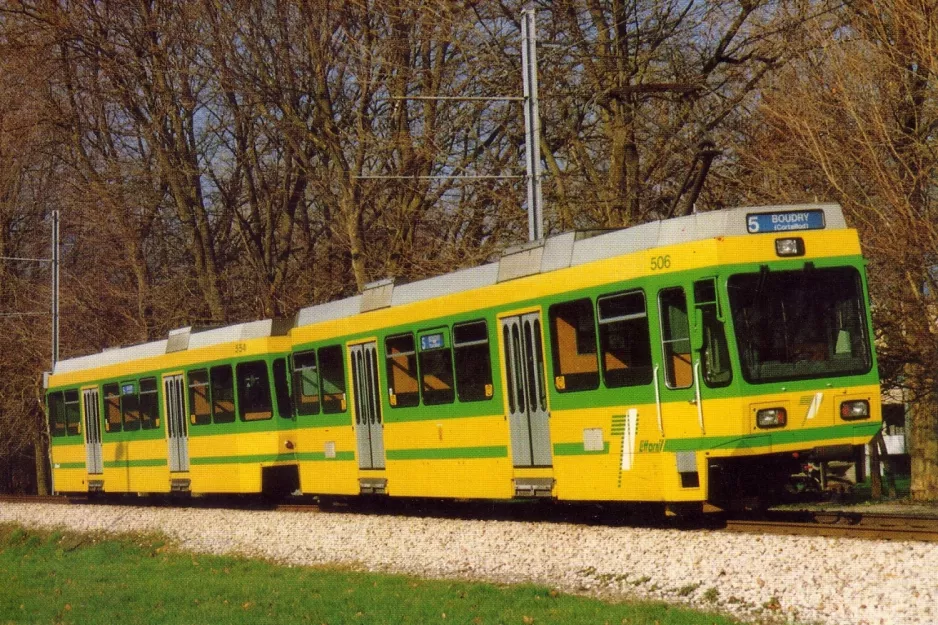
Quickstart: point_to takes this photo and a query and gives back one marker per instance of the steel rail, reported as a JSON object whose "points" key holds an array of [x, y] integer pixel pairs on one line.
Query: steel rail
{"points": [[841, 524]]}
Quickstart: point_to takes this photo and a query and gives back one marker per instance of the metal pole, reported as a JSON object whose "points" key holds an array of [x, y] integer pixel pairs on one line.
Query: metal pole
{"points": [[532, 125], [55, 288]]}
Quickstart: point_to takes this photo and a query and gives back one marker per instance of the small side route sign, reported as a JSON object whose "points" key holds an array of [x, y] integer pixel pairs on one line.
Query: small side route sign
{"points": [[785, 221]]}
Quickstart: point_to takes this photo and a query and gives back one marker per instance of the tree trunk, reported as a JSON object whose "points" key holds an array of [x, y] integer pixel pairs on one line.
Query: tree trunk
{"points": [[923, 440], [42, 465]]}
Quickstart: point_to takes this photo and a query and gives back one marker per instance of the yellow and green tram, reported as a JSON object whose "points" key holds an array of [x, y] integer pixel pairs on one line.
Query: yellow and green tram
{"points": [[693, 359]]}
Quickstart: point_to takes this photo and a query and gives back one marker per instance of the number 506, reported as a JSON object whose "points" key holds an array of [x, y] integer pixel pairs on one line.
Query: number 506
{"points": [[660, 262]]}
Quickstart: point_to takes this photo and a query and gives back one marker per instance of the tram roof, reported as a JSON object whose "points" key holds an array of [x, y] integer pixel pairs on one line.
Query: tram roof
{"points": [[557, 252]]}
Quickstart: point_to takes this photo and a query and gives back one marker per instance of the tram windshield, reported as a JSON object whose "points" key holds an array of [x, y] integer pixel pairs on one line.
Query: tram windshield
{"points": [[800, 324]]}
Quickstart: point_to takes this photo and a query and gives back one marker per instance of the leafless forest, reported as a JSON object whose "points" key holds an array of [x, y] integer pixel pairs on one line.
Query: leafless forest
{"points": [[225, 160]]}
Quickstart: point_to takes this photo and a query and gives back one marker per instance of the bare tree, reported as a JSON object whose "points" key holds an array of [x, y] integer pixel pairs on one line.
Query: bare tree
{"points": [[853, 121]]}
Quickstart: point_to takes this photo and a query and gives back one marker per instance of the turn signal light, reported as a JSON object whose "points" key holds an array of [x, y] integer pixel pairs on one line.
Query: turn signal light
{"points": [[859, 409], [771, 418]]}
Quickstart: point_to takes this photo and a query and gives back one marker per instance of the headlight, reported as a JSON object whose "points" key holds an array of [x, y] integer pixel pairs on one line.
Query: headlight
{"points": [[771, 418], [789, 247], [859, 409]]}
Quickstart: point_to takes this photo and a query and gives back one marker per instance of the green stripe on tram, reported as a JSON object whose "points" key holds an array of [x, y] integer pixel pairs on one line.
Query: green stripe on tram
{"points": [[449, 453], [246, 459], [764, 439], [69, 465], [321, 455], [577, 449], [146, 462]]}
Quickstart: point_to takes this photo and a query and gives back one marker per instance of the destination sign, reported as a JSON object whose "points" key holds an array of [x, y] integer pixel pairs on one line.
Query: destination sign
{"points": [[785, 221], [431, 341]]}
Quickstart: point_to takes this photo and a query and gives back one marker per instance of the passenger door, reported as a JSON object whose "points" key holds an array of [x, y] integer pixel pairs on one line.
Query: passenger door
{"points": [[174, 394], [92, 412], [369, 429], [528, 418]]}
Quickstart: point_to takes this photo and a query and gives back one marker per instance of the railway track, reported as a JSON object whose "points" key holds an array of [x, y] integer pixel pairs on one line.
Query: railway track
{"points": [[840, 524], [831, 524], [35, 499]]}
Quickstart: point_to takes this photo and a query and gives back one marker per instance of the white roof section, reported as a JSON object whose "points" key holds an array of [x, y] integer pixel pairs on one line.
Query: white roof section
{"points": [[558, 252], [197, 339], [111, 357]]}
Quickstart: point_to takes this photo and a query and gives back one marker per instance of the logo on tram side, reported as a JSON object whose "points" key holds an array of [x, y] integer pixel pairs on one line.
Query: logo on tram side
{"points": [[650, 447]]}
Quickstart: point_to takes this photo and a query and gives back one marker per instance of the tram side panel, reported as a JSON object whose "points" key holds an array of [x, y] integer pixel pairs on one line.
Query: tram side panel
{"points": [[239, 423], [445, 434], [67, 446]]}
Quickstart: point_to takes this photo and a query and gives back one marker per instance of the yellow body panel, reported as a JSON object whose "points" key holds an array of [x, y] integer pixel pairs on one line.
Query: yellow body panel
{"points": [[231, 463], [477, 460], [336, 475], [476, 478], [69, 469]]}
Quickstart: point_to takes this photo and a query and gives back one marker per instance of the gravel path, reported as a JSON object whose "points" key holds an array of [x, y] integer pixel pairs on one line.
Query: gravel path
{"points": [[788, 578]]}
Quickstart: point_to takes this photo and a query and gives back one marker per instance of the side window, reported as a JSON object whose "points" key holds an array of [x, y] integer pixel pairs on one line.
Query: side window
{"points": [[282, 389], [573, 338], [254, 391], [306, 383], [402, 370], [332, 379], [222, 394], [149, 407], [473, 361], [200, 409], [130, 406], [715, 355], [675, 338], [72, 413], [436, 367], [624, 339], [57, 423], [112, 408]]}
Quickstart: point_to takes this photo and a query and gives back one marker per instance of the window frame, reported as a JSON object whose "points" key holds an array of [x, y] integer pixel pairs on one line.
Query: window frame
{"points": [[460, 348], [713, 327], [670, 358], [336, 403], [72, 412], [610, 381], [130, 405], [197, 418], [283, 396], [112, 426], [428, 354], [298, 384], [242, 388], [411, 399], [564, 380], [149, 412], [220, 416], [55, 407]]}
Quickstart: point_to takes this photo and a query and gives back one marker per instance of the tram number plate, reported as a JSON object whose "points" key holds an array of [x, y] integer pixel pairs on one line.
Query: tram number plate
{"points": [[785, 221]]}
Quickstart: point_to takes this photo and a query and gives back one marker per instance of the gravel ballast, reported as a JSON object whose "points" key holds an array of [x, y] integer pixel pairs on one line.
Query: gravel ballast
{"points": [[798, 579]]}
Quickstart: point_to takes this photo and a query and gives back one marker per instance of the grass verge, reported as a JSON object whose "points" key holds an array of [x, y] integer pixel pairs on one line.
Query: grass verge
{"points": [[51, 577]]}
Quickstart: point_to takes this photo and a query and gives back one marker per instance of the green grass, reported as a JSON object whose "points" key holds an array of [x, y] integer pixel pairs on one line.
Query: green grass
{"points": [[83, 579]]}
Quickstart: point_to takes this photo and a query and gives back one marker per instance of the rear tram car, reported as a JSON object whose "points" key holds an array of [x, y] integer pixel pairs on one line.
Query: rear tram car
{"points": [[696, 359]]}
